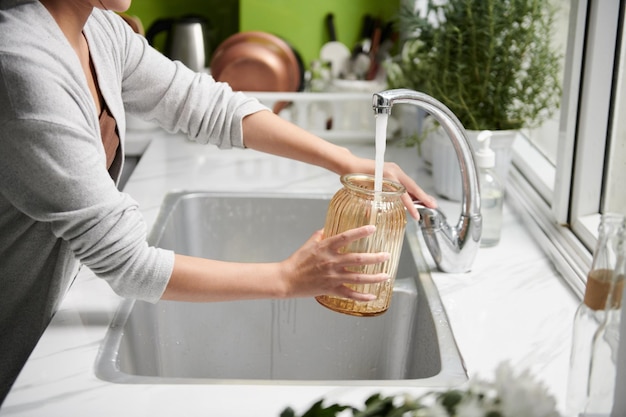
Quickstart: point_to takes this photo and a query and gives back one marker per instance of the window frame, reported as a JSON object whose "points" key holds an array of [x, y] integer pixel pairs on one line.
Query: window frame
{"points": [[594, 119], [562, 203]]}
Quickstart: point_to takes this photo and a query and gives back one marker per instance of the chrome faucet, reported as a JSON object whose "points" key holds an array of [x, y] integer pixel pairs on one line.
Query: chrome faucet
{"points": [[453, 249]]}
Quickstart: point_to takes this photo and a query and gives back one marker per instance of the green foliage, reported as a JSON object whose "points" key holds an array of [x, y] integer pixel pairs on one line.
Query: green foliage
{"points": [[491, 62], [510, 394], [317, 410], [375, 406]]}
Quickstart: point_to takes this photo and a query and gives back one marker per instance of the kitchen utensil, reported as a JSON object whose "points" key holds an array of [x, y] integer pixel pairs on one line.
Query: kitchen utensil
{"points": [[374, 64], [364, 44], [187, 39], [257, 61], [388, 39], [360, 59], [334, 51]]}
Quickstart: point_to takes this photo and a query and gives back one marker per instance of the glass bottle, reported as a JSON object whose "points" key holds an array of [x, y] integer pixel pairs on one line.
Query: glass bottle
{"points": [[603, 366], [591, 313], [358, 204]]}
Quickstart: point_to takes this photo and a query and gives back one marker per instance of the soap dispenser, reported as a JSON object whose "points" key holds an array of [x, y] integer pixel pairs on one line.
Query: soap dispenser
{"points": [[491, 191]]}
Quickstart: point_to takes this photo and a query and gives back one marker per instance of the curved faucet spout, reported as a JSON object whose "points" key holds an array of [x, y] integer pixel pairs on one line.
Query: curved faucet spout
{"points": [[453, 248]]}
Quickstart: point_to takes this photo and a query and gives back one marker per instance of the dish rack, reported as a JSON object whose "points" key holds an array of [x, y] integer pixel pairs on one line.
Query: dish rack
{"points": [[340, 117]]}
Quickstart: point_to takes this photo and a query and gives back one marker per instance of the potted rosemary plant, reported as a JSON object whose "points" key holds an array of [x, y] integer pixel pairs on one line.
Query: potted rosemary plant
{"points": [[492, 62]]}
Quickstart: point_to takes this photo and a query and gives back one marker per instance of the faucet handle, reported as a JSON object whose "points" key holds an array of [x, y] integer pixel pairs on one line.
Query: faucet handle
{"points": [[450, 252], [430, 218]]}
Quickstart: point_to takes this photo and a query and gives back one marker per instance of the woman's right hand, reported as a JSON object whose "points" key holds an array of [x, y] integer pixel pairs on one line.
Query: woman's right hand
{"points": [[316, 268], [319, 268]]}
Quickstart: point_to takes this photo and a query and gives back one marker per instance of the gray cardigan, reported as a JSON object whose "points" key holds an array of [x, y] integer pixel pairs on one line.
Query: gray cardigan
{"points": [[59, 206]]}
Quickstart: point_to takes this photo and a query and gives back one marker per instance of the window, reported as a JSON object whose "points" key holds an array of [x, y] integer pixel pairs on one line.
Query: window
{"points": [[614, 196], [574, 167]]}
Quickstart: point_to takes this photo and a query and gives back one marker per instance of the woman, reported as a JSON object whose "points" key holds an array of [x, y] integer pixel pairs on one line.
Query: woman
{"points": [[69, 71]]}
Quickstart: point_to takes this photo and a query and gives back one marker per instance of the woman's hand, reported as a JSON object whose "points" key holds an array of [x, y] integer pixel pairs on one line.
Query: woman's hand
{"points": [[266, 132], [392, 171], [316, 268], [413, 191], [319, 268]]}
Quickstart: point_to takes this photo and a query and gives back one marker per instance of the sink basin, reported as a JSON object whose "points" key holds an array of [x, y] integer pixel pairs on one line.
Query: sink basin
{"points": [[295, 341]]}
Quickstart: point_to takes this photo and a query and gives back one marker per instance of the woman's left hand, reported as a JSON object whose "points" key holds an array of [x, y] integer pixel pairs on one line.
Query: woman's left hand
{"points": [[267, 132], [413, 191], [392, 171]]}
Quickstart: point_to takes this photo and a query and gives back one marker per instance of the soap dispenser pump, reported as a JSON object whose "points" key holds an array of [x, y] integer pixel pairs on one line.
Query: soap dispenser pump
{"points": [[491, 191]]}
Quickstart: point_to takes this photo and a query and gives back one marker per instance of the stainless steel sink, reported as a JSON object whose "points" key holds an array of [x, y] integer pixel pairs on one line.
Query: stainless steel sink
{"points": [[294, 341]]}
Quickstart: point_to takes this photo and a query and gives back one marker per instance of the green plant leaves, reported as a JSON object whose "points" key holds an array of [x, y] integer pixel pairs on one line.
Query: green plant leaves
{"points": [[375, 406], [492, 62], [317, 410]]}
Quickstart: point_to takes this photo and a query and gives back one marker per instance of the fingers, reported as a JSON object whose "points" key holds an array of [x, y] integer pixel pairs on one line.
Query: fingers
{"points": [[335, 243], [424, 198], [362, 278], [408, 203], [344, 238], [357, 259], [347, 292], [413, 191], [349, 259], [340, 270]]}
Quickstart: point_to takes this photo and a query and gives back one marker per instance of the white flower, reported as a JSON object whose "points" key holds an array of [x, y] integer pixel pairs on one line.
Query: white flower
{"points": [[522, 396], [509, 395], [435, 410], [470, 407]]}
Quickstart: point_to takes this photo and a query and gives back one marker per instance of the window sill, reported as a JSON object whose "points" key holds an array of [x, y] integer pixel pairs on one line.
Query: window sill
{"points": [[570, 256]]}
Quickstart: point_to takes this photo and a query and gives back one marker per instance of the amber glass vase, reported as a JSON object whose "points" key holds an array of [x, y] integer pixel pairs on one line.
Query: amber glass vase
{"points": [[357, 204]]}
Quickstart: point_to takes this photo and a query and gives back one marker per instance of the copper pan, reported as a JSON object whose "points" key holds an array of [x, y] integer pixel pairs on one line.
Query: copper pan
{"points": [[257, 61]]}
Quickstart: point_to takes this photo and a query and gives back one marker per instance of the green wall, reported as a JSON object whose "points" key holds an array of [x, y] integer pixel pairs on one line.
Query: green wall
{"points": [[300, 22]]}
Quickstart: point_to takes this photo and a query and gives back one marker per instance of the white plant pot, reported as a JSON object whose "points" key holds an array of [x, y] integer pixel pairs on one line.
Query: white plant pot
{"points": [[410, 119], [445, 165]]}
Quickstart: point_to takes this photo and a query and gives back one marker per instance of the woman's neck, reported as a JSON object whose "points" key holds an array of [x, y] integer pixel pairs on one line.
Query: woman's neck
{"points": [[71, 16]]}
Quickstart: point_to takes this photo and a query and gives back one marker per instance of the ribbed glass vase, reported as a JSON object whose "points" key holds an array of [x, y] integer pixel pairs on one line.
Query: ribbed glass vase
{"points": [[358, 204]]}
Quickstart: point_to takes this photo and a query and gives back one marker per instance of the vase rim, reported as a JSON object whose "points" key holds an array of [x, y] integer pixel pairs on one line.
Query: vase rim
{"points": [[364, 183]]}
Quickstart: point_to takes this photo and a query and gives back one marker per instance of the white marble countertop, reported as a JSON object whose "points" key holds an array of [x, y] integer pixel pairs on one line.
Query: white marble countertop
{"points": [[511, 307]]}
